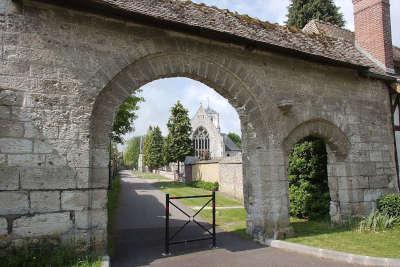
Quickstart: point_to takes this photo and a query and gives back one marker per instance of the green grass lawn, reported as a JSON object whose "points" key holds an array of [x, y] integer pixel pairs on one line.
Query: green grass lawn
{"points": [[342, 238], [311, 233]]}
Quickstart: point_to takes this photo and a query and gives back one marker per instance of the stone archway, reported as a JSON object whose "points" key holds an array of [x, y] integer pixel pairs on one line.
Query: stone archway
{"points": [[338, 147], [226, 83]]}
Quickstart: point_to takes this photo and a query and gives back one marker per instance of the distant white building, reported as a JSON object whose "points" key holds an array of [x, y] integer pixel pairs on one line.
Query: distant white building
{"points": [[208, 141]]}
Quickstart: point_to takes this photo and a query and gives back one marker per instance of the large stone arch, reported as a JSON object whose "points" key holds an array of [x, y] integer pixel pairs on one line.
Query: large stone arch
{"points": [[226, 82], [338, 147]]}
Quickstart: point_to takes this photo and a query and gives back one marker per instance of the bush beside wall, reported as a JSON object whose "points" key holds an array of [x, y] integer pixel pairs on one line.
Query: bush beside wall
{"points": [[205, 185], [390, 205]]}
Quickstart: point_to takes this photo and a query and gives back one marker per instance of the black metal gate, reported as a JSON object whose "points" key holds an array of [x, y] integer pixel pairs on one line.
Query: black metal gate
{"points": [[169, 239]]}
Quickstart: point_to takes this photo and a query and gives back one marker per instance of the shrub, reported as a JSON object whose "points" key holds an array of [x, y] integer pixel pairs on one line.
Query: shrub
{"points": [[205, 185], [390, 205], [48, 253], [377, 221], [308, 182]]}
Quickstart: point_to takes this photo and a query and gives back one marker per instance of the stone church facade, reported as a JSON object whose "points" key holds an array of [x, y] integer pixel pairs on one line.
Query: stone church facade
{"points": [[208, 141], [66, 66]]}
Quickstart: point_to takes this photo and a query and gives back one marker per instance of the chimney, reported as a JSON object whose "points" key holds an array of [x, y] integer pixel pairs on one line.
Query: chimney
{"points": [[373, 32]]}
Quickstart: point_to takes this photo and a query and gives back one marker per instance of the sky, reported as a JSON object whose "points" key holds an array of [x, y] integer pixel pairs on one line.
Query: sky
{"points": [[160, 95]]}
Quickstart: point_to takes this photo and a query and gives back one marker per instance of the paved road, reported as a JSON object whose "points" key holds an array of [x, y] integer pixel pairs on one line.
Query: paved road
{"points": [[138, 237]]}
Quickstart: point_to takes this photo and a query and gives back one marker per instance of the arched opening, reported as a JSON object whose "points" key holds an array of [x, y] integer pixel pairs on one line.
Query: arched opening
{"points": [[206, 134], [309, 196], [333, 148], [143, 72]]}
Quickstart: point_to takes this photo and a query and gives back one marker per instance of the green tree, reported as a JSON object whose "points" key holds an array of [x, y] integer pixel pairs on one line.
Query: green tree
{"points": [[300, 12], [308, 180], [131, 154], [125, 117], [236, 139], [153, 148], [178, 144]]}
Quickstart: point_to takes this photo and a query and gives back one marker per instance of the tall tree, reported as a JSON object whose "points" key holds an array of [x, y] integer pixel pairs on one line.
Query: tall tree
{"points": [[302, 11], [236, 139], [148, 140], [131, 154], [126, 114], [178, 143], [153, 148]]}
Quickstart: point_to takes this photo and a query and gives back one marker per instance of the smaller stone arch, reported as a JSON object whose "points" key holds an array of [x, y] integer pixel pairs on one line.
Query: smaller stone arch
{"points": [[332, 135], [338, 147]]}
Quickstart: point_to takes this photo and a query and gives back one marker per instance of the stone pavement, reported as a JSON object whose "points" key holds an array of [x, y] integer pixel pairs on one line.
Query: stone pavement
{"points": [[138, 237]]}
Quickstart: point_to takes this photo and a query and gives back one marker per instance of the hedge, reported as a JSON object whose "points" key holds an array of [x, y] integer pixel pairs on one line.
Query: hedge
{"points": [[390, 205], [205, 185]]}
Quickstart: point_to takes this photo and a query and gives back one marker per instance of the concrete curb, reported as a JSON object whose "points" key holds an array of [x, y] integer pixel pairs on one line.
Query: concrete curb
{"points": [[334, 255], [105, 261]]}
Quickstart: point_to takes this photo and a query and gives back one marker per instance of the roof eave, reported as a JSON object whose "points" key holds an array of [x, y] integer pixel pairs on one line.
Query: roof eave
{"points": [[98, 7]]}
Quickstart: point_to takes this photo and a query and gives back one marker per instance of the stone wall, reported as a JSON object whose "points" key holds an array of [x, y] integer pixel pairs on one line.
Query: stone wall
{"points": [[63, 74], [228, 172], [206, 170]]}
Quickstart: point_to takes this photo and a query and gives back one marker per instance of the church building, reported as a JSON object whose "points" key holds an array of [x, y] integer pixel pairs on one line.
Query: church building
{"points": [[208, 141]]}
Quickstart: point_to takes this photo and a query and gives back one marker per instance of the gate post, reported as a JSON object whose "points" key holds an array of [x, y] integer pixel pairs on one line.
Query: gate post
{"points": [[214, 240], [166, 249]]}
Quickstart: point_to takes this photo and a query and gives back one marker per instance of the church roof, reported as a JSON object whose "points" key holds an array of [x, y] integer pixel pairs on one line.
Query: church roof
{"points": [[219, 24], [210, 111], [229, 144]]}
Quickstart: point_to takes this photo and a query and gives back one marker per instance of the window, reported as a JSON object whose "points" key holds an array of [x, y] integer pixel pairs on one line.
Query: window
{"points": [[201, 143]]}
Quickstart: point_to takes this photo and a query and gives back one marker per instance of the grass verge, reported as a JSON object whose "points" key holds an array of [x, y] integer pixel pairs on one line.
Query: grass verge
{"points": [[346, 239], [112, 204], [46, 253]]}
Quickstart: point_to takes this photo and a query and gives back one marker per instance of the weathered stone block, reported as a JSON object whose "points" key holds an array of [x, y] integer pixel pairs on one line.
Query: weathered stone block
{"points": [[45, 201], [13, 203], [375, 156], [79, 158], [30, 130], [99, 199], [13, 145], [74, 200], [5, 112], [91, 219], [26, 160], [82, 178], [3, 226], [55, 160], [11, 129], [100, 158], [8, 97], [48, 178], [378, 181], [42, 224], [41, 146], [99, 178], [9, 178]]}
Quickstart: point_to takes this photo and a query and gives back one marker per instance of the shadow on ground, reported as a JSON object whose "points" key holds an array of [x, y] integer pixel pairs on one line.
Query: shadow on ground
{"points": [[138, 231]]}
